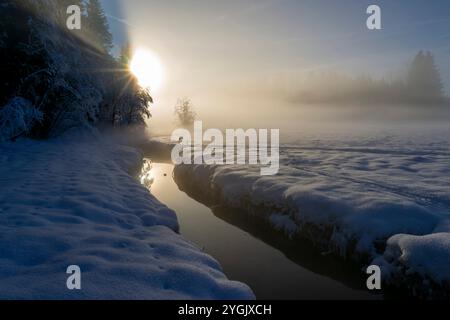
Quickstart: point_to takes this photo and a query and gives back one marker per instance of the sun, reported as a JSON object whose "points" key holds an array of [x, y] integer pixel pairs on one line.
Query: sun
{"points": [[148, 69]]}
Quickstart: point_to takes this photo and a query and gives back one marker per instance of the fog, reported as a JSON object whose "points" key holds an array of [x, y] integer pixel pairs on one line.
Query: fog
{"points": [[333, 105], [294, 64]]}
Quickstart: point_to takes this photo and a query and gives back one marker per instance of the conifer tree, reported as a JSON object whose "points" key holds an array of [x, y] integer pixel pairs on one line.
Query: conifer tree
{"points": [[97, 27], [424, 79]]}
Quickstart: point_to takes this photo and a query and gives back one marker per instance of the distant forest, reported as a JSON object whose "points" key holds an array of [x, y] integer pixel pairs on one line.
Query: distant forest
{"points": [[54, 79], [422, 85]]}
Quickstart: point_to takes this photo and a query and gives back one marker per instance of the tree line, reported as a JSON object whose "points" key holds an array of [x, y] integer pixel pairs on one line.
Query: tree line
{"points": [[421, 85], [55, 79]]}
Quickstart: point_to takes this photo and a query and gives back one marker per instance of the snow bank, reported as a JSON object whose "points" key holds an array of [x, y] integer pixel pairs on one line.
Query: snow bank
{"points": [[428, 256], [72, 201], [348, 199]]}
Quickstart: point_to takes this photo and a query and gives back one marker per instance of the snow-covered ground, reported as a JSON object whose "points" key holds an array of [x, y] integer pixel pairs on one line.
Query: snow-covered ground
{"points": [[384, 199], [72, 201]]}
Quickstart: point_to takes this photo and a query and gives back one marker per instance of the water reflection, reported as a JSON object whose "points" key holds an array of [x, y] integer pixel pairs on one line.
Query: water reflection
{"points": [[146, 177], [249, 251]]}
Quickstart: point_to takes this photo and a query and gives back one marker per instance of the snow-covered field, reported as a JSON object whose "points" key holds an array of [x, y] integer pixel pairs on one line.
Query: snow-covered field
{"points": [[384, 199], [72, 201]]}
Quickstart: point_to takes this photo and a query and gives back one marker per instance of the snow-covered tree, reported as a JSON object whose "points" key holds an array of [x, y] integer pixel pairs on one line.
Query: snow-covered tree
{"points": [[97, 25], [18, 117], [61, 74]]}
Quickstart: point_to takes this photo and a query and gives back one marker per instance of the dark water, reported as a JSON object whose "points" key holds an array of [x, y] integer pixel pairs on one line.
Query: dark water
{"points": [[251, 252]]}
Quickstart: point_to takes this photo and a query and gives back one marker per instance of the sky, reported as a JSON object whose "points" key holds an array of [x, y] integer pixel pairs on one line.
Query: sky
{"points": [[227, 52]]}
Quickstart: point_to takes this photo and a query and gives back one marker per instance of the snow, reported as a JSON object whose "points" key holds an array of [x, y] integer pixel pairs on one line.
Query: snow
{"points": [[72, 201], [353, 196], [16, 117], [425, 255], [283, 223]]}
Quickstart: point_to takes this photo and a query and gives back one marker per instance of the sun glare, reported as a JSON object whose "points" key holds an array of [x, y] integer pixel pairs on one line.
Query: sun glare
{"points": [[148, 69]]}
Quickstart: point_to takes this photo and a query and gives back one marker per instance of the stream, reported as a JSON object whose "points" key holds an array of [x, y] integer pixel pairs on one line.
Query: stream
{"points": [[251, 252]]}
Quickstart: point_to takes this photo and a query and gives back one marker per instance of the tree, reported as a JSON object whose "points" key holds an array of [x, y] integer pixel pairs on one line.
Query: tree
{"points": [[184, 111], [97, 27], [51, 79], [434, 86], [125, 102], [17, 117], [125, 55], [424, 79]]}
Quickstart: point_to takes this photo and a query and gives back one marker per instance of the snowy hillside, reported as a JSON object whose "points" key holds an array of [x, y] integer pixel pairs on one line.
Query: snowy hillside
{"points": [[351, 197], [71, 201]]}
